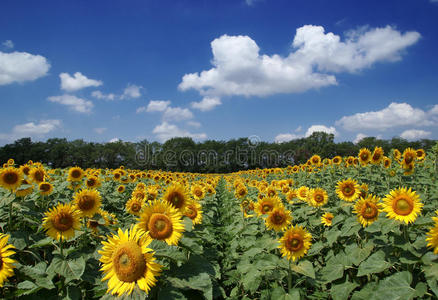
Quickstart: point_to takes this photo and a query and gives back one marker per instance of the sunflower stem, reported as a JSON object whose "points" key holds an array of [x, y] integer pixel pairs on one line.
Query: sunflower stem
{"points": [[289, 278], [10, 217], [61, 247]]}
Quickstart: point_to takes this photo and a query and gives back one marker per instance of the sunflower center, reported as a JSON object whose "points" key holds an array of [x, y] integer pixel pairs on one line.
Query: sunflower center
{"points": [[93, 223], [198, 193], [91, 182], [135, 207], [76, 174], [191, 212], [45, 187], [129, 262], [364, 156], [63, 221], [86, 202], [369, 211], [39, 176], [329, 218], [295, 243], [403, 206], [318, 198], [11, 178], [278, 218], [409, 159], [176, 200], [160, 226], [348, 190], [267, 207]]}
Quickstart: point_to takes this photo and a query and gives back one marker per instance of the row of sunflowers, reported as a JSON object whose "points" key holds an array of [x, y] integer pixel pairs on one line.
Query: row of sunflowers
{"points": [[359, 226]]}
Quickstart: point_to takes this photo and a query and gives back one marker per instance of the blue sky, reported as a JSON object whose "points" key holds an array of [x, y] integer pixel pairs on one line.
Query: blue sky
{"points": [[278, 69]]}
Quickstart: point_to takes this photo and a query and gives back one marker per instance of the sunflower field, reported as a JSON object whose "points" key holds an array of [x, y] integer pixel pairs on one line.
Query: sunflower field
{"points": [[362, 227]]}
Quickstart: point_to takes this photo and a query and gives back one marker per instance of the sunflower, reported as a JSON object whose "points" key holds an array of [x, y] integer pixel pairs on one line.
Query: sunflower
{"points": [[127, 262], [11, 178], [266, 205], [75, 174], [396, 154], [432, 237], [109, 218], [6, 263], [278, 219], [62, 221], [421, 154], [327, 219], [88, 202], [337, 160], [408, 169], [240, 191], [386, 162], [134, 206], [403, 205], [45, 188], [409, 157], [377, 156], [25, 169], [364, 156], [121, 188], [292, 194], [198, 191], [363, 190], [93, 182], [140, 194], [177, 196], [271, 191], [93, 225], [318, 197], [315, 160], [193, 211], [349, 161], [295, 243], [302, 192], [348, 190], [367, 210], [162, 222]]}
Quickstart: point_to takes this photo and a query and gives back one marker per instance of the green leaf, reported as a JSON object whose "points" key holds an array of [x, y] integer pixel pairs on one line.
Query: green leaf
{"points": [[332, 272], [357, 254], [342, 291], [280, 294], [71, 269], [200, 282], [42, 243], [374, 264], [332, 236], [305, 267], [73, 293], [396, 286], [252, 280]]}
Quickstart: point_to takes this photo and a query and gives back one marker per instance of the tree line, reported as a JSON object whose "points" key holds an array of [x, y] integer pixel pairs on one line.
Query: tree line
{"points": [[184, 154]]}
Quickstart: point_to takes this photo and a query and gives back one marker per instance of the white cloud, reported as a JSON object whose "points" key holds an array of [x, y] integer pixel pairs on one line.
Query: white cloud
{"points": [[74, 103], [359, 137], [141, 109], [157, 105], [315, 128], [31, 129], [194, 124], [415, 134], [166, 131], [299, 128], [102, 96], [8, 44], [131, 91], [207, 103], [286, 137], [395, 115], [177, 114], [77, 81], [100, 130], [239, 68], [114, 140], [21, 66]]}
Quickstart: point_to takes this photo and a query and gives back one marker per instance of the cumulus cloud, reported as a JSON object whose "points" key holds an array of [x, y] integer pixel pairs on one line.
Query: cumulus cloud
{"points": [[194, 124], [359, 137], [102, 96], [395, 115], [21, 67], [77, 82], [131, 91], [177, 114], [8, 44], [114, 140], [315, 128], [157, 105], [207, 103], [286, 137], [165, 131], [31, 129], [74, 103], [415, 134], [240, 69], [100, 130]]}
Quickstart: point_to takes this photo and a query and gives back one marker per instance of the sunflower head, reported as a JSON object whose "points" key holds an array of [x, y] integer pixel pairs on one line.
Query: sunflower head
{"points": [[302, 192], [134, 206], [266, 205], [93, 182], [121, 188], [75, 174], [278, 219], [367, 209], [127, 262], [162, 222], [62, 221], [11, 178], [364, 156], [432, 236], [176, 195], [295, 243], [386, 162], [403, 205], [377, 156], [421, 154], [6, 263], [327, 219], [23, 191], [318, 197], [348, 190], [88, 202], [193, 211], [409, 156], [45, 188], [198, 191]]}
